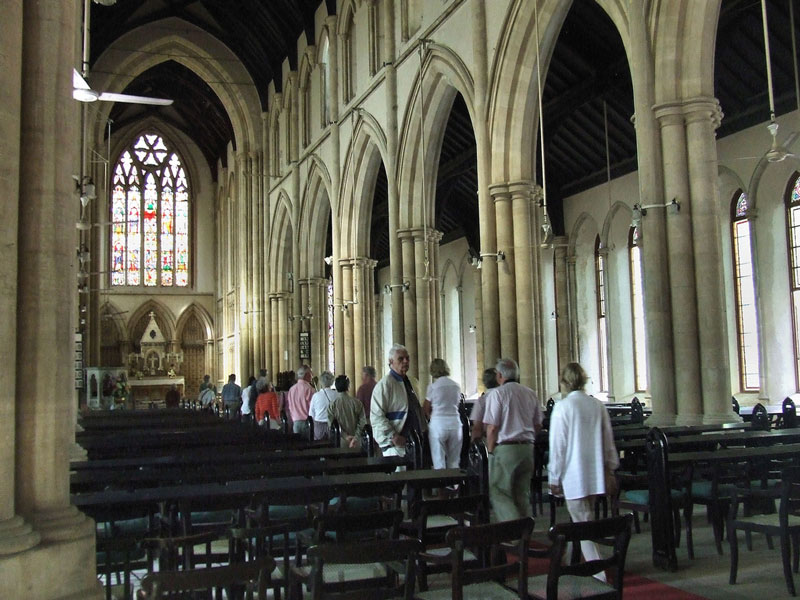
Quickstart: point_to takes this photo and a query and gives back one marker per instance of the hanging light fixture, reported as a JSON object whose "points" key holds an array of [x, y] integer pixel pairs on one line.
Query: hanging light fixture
{"points": [[547, 229]]}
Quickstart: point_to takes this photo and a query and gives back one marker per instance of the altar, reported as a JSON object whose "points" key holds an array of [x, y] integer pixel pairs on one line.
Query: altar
{"points": [[153, 390]]}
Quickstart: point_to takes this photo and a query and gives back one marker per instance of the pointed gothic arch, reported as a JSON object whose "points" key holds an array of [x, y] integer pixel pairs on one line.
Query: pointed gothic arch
{"points": [[442, 75]]}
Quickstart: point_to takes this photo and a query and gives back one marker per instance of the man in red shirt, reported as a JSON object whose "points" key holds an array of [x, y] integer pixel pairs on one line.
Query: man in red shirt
{"points": [[368, 382]]}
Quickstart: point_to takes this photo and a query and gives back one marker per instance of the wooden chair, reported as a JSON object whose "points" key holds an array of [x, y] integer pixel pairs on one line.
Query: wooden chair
{"points": [[577, 580], [785, 523], [343, 528], [430, 522], [362, 571], [179, 584], [487, 578], [637, 412], [789, 414], [119, 552], [735, 404], [180, 552], [761, 420], [634, 495], [246, 544]]}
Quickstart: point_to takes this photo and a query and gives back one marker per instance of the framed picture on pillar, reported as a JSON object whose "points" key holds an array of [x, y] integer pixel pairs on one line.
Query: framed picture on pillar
{"points": [[305, 345]]}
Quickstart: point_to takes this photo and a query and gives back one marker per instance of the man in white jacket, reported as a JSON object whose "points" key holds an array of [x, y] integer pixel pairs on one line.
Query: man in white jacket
{"points": [[583, 457], [395, 408]]}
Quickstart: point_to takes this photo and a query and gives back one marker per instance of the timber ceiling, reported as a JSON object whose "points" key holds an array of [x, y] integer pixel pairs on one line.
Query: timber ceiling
{"points": [[587, 86]]}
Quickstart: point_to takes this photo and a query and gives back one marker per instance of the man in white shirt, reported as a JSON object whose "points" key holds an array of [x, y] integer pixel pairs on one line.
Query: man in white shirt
{"points": [[583, 457], [318, 409], [513, 417]]}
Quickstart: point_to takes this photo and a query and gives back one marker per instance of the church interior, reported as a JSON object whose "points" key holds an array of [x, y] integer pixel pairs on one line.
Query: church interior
{"points": [[611, 182]]}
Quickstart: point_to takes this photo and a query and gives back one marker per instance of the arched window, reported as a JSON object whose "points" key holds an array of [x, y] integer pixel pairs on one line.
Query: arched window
{"points": [[745, 294], [324, 84], [637, 310], [793, 240], [150, 216], [602, 326]]}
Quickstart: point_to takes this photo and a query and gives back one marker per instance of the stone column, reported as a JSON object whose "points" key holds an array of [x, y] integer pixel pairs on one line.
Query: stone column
{"points": [[572, 302], [763, 364], [256, 238], [409, 300], [703, 116], [347, 309], [437, 347], [423, 297], [562, 302], [287, 361], [360, 315], [395, 247], [46, 277], [526, 278], [277, 359], [506, 281], [658, 311], [489, 347], [681, 264], [15, 534]]}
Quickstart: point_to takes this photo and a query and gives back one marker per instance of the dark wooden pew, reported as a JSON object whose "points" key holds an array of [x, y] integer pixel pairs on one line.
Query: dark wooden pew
{"points": [[661, 459]]}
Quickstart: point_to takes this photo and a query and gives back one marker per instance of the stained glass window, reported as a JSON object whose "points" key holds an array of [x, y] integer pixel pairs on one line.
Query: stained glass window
{"points": [[150, 216], [602, 327], [793, 239], [331, 355], [637, 308], [745, 294]]}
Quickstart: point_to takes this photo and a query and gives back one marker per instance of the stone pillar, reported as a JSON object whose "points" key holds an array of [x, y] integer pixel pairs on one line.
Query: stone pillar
{"points": [[346, 309], [681, 264], [703, 116], [360, 315], [406, 237], [45, 36], [395, 248], [562, 303], [658, 311], [256, 238], [763, 363], [277, 359], [424, 268], [15, 534], [572, 302], [437, 346], [489, 348], [287, 361], [506, 281], [526, 277]]}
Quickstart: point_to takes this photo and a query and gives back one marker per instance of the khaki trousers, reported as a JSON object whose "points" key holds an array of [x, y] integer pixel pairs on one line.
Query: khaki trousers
{"points": [[510, 472]]}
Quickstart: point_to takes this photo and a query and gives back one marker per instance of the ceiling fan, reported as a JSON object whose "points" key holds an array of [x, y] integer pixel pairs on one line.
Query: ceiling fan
{"points": [[82, 92], [777, 152]]}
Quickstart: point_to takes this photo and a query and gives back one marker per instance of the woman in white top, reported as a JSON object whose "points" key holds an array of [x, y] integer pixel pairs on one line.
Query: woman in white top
{"points": [[318, 410], [441, 406]]}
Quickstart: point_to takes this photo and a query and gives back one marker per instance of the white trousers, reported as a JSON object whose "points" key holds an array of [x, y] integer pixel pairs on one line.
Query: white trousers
{"points": [[445, 441], [581, 510]]}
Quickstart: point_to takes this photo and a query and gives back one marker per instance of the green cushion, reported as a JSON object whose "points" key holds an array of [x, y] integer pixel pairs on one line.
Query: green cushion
{"points": [[642, 497], [212, 516], [127, 527], [285, 512], [570, 587], [358, 504], [702, 490]]}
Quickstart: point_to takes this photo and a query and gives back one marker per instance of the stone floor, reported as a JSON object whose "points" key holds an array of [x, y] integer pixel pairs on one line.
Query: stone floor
{"points": [[760, 572]]}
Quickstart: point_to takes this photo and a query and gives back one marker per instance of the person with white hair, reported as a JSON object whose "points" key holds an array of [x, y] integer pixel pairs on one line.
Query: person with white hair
{"points": [[318, 410], [513, 417], [298, 400], [396, 409]]}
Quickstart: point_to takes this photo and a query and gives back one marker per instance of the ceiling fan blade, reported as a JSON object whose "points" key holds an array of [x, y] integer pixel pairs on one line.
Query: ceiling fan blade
{"points": [[78, 82], [128, 99]]}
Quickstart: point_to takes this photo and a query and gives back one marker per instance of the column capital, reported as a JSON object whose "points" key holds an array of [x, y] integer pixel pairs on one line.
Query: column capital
{"points": [[703, 108], [278, 295], [314, 281], [418, 234], [669, 113], [499, 192]]}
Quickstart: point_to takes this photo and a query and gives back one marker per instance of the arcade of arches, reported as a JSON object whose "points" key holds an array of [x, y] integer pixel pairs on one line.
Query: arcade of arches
{"points": [[354, 201]]}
